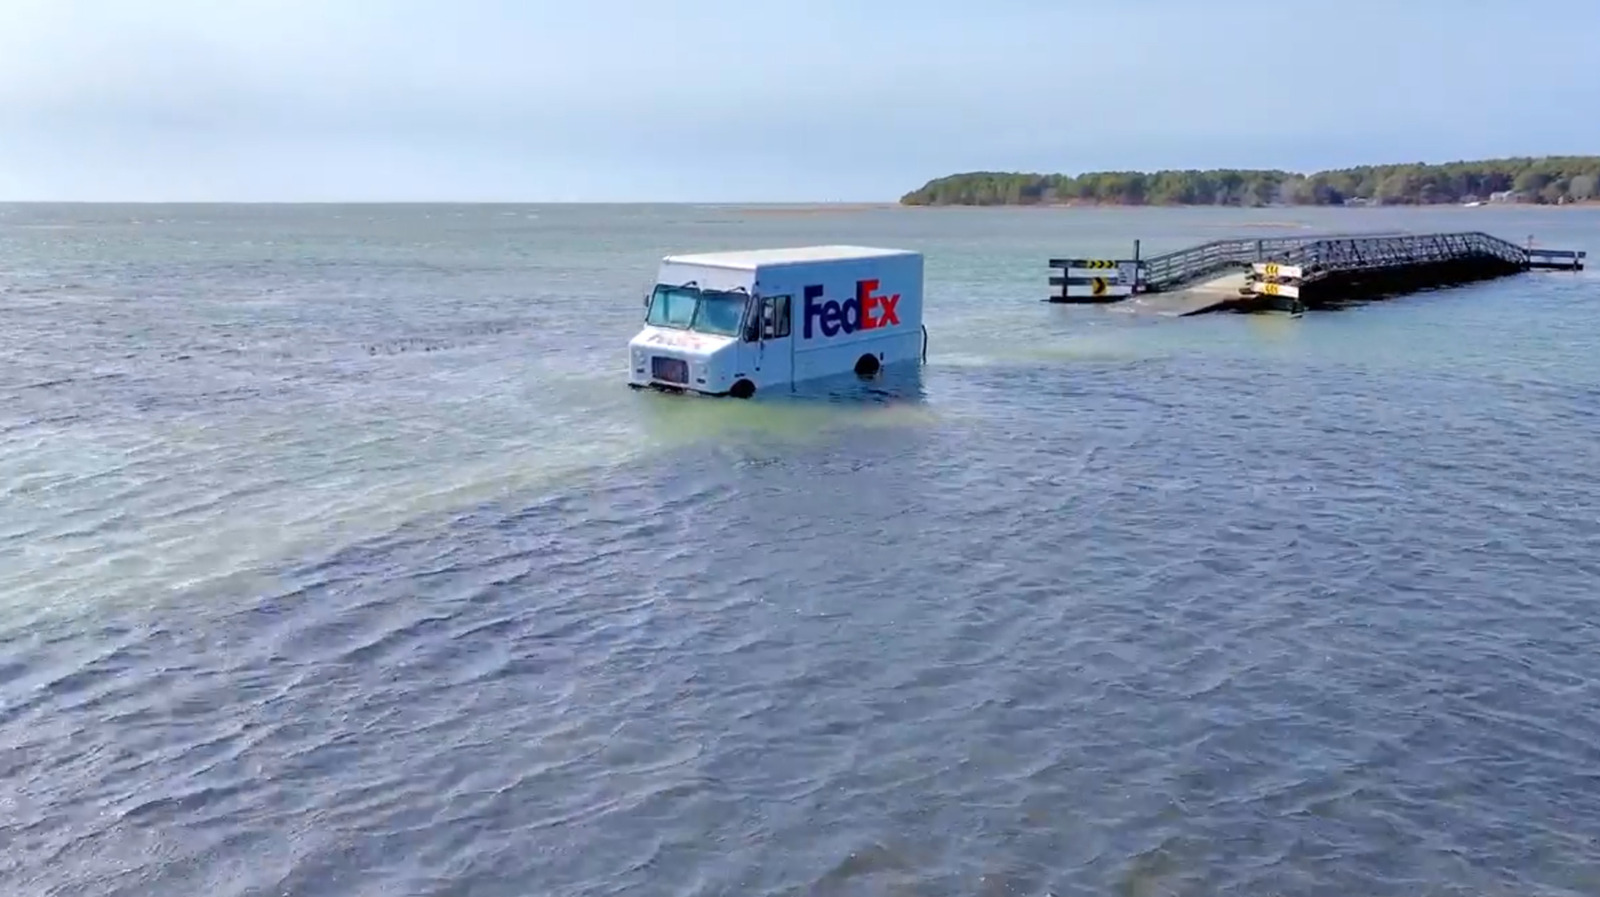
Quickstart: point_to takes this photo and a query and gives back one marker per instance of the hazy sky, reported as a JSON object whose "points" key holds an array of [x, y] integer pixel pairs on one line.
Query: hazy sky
{"points": [[759, 99]]}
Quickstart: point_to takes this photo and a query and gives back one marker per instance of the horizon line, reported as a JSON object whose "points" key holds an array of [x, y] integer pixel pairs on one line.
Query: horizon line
{"points": [[447, 202]]}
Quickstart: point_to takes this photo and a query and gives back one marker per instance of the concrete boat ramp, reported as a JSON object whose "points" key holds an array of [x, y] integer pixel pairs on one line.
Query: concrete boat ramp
{"points": [[1206, 296]]}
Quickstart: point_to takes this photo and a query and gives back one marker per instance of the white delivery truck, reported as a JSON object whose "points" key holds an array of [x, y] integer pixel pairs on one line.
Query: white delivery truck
{"points": [[744, 323]]}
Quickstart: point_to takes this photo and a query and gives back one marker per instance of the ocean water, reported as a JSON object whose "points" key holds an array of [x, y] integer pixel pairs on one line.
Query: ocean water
{"points": [[336, 559]]}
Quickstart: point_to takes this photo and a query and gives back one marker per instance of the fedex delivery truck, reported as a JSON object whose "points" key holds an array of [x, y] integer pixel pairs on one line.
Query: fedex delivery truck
{"points": [[745, 323]]}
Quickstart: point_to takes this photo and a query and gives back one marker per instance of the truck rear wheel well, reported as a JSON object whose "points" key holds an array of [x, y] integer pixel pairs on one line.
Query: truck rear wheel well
{"points": [[867, 365]]}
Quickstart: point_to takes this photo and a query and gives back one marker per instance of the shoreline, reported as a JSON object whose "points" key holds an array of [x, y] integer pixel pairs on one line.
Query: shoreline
{"points": [[1508, 180]]}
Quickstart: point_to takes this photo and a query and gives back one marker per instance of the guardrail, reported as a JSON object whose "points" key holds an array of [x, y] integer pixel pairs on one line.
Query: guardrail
{"points": [[1564, 259]]}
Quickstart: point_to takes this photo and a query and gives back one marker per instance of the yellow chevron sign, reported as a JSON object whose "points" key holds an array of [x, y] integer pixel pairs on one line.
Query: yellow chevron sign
{"points": [[1276, 269], [1099, 286], [1101, 264], [1286, 290]]}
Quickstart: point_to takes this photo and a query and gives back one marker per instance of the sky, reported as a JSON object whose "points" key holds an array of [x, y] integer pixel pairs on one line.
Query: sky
{"points": [[759, 100]]}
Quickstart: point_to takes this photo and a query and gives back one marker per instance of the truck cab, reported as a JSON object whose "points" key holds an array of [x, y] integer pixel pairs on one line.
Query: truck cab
{"points": [[742, 323]]}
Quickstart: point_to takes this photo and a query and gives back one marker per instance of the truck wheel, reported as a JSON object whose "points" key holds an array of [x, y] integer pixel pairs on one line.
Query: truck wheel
{"points": [[743, 389], [866, 365]]}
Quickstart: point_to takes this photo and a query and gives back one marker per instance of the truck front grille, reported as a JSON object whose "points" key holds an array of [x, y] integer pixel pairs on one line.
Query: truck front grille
{"points": [[669, 370]]}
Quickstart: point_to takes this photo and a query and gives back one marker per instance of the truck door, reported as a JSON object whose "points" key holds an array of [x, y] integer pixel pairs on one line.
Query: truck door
{"points": [[773, 349]]}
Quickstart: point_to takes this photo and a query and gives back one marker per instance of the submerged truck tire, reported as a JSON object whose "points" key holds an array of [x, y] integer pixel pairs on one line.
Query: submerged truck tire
{"points": [[867, 365], [743, 389]]}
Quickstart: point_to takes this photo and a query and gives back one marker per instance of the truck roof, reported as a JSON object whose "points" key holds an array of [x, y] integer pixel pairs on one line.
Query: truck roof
{"points": [[751, 259]]}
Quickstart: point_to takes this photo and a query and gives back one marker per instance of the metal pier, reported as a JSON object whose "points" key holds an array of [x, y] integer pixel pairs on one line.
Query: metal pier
{"points": [[1307, 271]]}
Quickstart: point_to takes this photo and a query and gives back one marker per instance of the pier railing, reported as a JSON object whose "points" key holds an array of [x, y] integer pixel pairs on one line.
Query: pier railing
{"points": [[1175, 269], [1316, 254], [1341, 254], [1312, 257]]}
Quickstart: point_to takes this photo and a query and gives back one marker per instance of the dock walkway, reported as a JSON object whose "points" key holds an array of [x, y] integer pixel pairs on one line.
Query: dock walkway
{"points": [[1309, 271]]}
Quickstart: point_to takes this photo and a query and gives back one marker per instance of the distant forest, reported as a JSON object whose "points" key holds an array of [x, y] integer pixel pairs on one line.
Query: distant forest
{"points": [[1545, 179]]}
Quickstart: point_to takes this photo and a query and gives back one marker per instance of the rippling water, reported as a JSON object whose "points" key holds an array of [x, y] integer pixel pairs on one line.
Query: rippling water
{"points": [[335, 559]]}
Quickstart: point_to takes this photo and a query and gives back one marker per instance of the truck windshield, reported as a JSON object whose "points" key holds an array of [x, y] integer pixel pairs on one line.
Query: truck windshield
{"points": [[690, 308]]}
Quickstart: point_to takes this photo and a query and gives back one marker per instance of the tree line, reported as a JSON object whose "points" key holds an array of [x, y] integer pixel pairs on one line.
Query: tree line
{"points": [[1544, 179]]}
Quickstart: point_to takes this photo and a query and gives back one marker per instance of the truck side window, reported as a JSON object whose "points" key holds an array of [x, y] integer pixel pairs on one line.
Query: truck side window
{"points": [[775, 317]]}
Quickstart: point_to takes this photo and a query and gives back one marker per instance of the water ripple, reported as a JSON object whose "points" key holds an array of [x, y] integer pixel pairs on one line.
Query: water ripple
{"points": [[334, 564]]}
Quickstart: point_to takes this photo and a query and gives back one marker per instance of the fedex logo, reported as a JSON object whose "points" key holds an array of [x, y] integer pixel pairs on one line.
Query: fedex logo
{"points": [[867, 310]]}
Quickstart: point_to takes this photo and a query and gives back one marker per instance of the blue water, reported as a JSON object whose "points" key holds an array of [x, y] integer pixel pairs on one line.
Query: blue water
{"points": [[335, 559]]}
